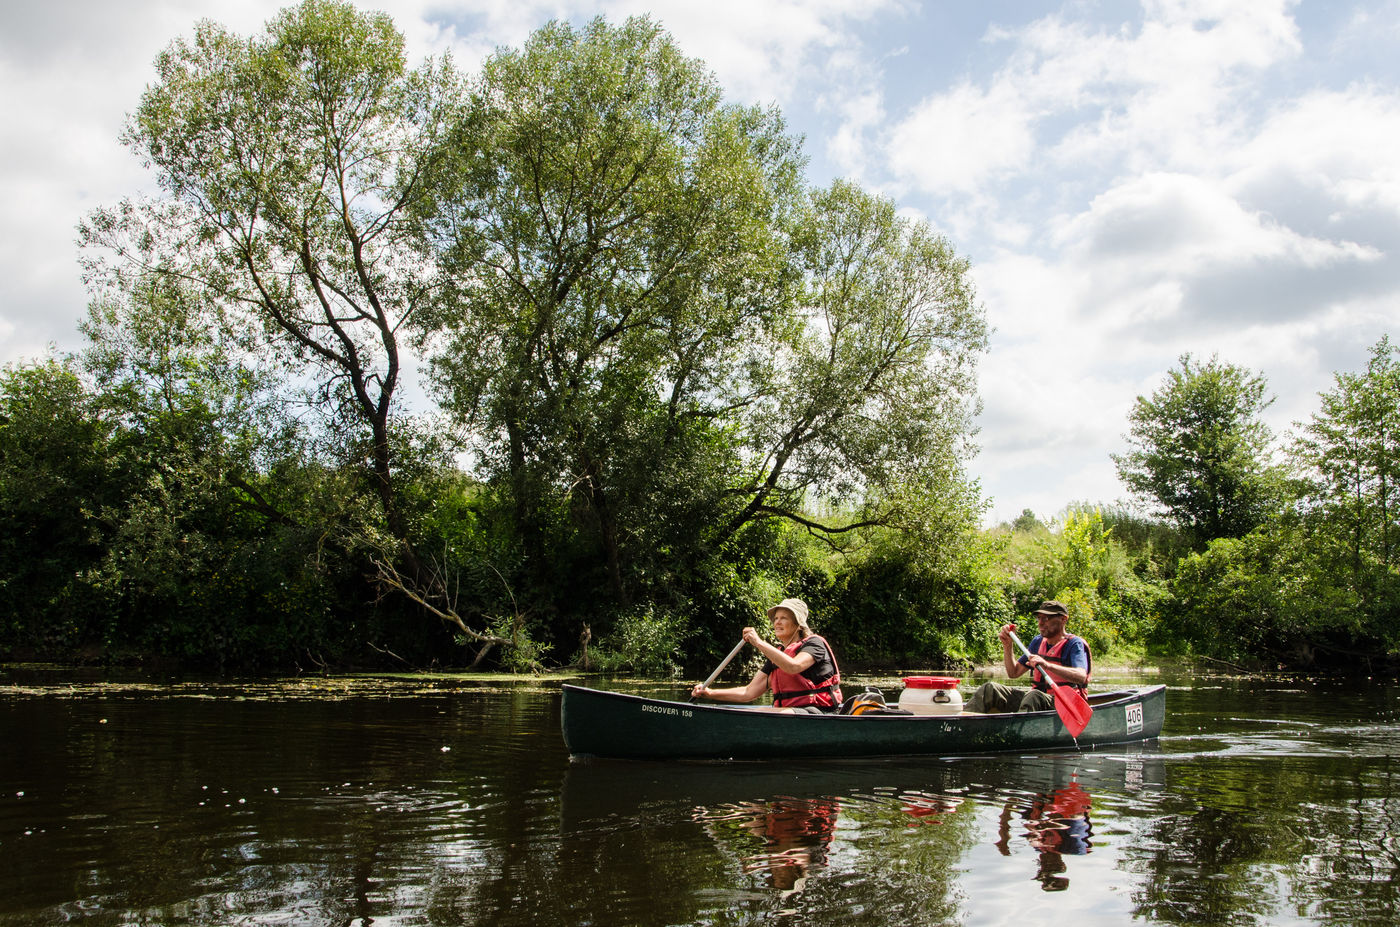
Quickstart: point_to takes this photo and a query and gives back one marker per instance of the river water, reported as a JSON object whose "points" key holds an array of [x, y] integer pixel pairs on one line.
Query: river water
{"points": [[440, 801]]}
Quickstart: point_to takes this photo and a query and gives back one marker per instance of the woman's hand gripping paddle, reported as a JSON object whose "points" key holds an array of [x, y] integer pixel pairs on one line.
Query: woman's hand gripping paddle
{"points": [[719, 669], [1070, 705]]}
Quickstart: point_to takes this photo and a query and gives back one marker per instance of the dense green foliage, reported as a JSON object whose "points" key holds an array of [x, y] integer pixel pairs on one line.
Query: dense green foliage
{"points": [[1256, 567], [687, 381], [1105, 579], [1314, 580], [671, 382], [128, 532], [1320, 582]]}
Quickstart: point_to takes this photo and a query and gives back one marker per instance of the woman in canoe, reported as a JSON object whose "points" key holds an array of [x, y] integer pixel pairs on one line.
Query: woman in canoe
{"points": [[801, 671]]}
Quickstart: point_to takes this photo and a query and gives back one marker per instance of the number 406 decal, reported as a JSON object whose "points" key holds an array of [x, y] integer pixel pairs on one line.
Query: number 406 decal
{"points": [[1134, 718]]}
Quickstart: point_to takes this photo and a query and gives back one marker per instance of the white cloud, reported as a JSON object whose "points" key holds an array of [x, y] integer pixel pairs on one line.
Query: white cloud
{"points": [[955, 142], [1186, 226], [69, 73], [1055, 391], [1072, 93], [1340, 143]]}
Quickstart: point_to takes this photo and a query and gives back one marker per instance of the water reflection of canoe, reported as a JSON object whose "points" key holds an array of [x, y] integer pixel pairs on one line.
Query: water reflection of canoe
{"points": [[616, 725], [603, 796], [629, 790]]}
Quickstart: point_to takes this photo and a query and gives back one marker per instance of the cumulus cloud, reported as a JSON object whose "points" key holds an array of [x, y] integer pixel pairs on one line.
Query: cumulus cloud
{"points": [[1133, 191], [1187, 239], [1339, 143], [957, 141], [70, 71], [1072, 93]]}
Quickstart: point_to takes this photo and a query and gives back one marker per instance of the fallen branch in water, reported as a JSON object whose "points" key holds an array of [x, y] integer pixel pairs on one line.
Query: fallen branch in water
{"points": [[387, 652]]}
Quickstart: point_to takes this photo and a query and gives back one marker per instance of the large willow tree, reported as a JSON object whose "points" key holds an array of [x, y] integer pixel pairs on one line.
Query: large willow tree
{"points": [[621, 240], [660, 336], [652, 331]]}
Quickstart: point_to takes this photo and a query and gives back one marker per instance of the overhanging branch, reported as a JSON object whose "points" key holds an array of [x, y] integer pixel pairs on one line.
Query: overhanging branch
{"points": [[390, 578]]}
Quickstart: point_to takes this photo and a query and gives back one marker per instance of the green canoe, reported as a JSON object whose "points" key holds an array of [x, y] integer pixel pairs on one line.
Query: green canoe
{"points": [[618, 726]]}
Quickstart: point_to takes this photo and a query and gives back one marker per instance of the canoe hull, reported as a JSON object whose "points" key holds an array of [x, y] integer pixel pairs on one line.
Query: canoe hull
{"points": [[619, 726]]}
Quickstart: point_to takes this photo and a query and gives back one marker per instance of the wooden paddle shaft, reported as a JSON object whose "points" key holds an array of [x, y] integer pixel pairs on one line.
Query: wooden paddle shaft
{"points": [[719, 669]]}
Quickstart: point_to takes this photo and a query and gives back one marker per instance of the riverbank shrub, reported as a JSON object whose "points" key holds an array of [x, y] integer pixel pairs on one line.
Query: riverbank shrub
{"points": [[643, 641], [896, 604], [1282, 595], [1111, 589]]}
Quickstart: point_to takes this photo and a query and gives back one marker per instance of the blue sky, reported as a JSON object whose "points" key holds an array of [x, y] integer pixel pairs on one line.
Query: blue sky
{"points": [[1131, 180]]}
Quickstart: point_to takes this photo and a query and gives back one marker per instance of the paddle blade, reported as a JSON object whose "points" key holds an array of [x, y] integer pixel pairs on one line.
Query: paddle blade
{"points": [[1070, 704], [1073, 709]]}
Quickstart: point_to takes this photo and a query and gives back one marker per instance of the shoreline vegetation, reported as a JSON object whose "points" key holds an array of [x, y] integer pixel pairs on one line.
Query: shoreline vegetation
{"points": [[56, 680], [669, 380], [70, 679]]}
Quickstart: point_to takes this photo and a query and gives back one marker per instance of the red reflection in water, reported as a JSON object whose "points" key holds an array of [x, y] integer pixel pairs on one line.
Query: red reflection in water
{"points": [[928, 809], [1057, 824]]}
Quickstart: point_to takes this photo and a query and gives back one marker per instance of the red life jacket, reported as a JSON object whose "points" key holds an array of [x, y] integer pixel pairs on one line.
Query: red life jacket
{"points": [[1053, 653], [794, 690]]}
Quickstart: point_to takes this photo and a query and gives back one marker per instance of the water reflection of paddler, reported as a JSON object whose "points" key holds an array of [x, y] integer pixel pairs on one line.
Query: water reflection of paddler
{"points": [[802, 672], [1057, 825], [795, 835]]}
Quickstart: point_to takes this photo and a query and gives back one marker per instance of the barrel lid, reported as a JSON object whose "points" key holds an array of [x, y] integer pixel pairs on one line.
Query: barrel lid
{"points": [[931, 682]]}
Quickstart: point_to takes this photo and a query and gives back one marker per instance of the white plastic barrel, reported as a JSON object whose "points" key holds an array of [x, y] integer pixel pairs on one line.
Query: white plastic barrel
{"points": [[931, 695]]}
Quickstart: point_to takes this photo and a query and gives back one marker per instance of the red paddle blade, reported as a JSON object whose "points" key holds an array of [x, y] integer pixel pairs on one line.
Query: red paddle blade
{"points": [[1073, 710]]}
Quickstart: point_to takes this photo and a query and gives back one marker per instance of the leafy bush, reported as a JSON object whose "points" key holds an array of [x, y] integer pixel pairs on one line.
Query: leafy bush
{"points": [[1113, 601], [644, 641], [890, 606], [523, 654], [1277, 595]]}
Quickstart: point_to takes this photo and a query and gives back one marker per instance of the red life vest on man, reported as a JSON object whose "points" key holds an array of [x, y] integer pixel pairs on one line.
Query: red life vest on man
{"points": [[794, 690], [1053, 653]]}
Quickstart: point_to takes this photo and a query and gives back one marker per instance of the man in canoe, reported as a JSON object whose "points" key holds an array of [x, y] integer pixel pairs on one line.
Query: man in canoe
{"points": [[802, 671], [1063, 655]]}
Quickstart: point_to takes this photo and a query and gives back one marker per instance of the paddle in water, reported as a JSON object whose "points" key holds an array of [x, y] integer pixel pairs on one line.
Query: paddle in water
{"points": [[1070, 704], [719, 669]]}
